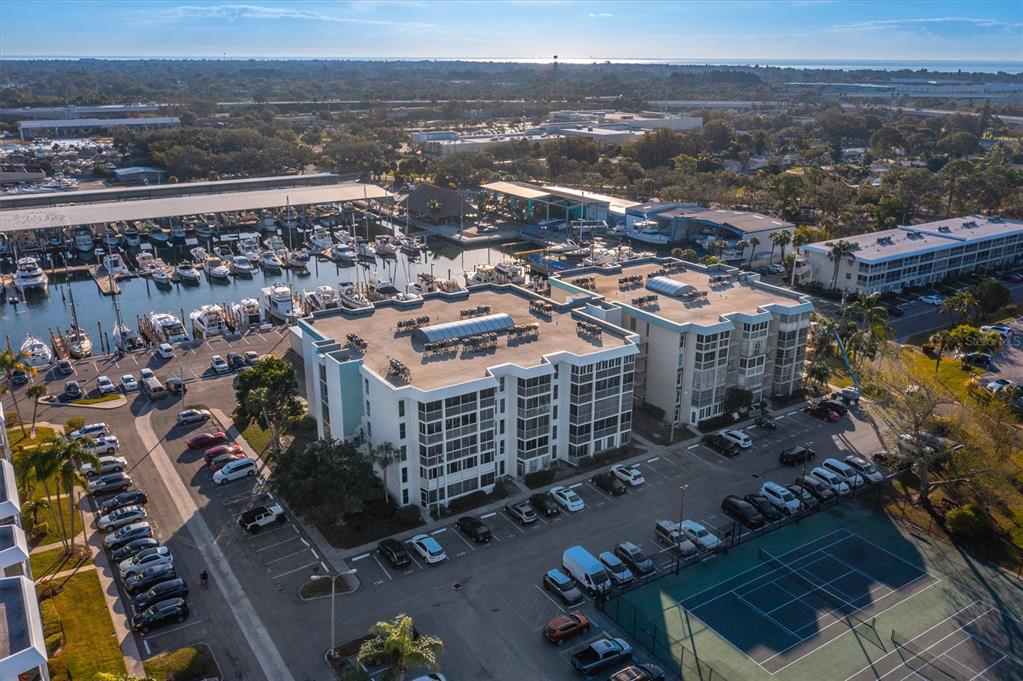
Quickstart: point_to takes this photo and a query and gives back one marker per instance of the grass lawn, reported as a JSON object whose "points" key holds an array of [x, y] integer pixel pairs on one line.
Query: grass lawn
{"points": [[89, 643], [362, 532], [257, 438], [321, 587], [190, 663], [110, 397], [951, 373], [19, 444], [55, 560], [297, 436], [19, 441]]}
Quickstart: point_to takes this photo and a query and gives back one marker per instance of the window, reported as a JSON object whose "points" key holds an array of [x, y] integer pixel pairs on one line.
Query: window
{"points": [[403, 454], [404, 497], [404, 475], [401, 409], [401, 431], [368, 410]]}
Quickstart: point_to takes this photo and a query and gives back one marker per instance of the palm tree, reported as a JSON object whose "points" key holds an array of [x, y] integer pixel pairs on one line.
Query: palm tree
{"points": [[433, 209], [31, 507], [384, 456], [963, 304], [939, 340], [753, 243], [872, 314], [687, 254], [70, 456], [823, 334], [716, 247], [396, 643], [818, 372], [10, 362], [836, 251], [40, 465], [781, 239], [35, 391]]}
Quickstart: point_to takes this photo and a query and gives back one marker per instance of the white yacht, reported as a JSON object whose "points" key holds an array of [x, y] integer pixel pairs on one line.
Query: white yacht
{"points": [[160, 276], [289, 220], [410, 244], [131, 236], [266, 223], [110, 238], [364, 250], [566, 246], [648, 231], [248, 247], [427, 283], [147, 262], [320, 240], [187, 273], [208, 320], [297, 258], [241, 266], [217, 269], [511, 271], [385, 247], [353, 299], [481, 274], [167, 326], [36, 353], [126, 338], [279, 302], [323, 297], [84, 243], [199, 255], [247, 312], [269, 260], [600, 258], [407, 298], [30, 276], [114, 265], [78, 343], [274, 243], [342, 252]]}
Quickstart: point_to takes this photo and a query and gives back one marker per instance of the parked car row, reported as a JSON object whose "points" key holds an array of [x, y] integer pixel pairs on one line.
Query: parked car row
{"points": [[226, 461]]}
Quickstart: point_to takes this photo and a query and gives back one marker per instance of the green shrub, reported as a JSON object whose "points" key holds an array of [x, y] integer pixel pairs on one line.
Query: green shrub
{"points": [[539, 478], [970, 523], [928, 349], [469, 501], [74, 423], [408, 515], [355, 673], [39, 530]]}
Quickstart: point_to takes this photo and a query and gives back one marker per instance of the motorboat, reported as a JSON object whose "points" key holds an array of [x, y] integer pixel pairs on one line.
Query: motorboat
{"points": [[511, 271], [600, 258], [427, 283], [241, 266], [385, 247], [84, 242], [274, 243], [167, 327], [131, 236], [206, 226], [146, 262], [269, 260], [289, 220], [279, 302], [297, 259], [126, 338], [161, 277], [199, 255], [354, 299], [564, 247], [159, 234], [35, 353], [217, 269], [178, 232], [208, 320], [248, 247], [320, 240], [114, 265], [364, 250], [410, 244], [78, 343], [342, 253], [648, 231], [266, 223], [383, 287], [481, 274], [247, 312], [406, 298], [110, 238], [323, 297], [30, 276], [186, 272]]}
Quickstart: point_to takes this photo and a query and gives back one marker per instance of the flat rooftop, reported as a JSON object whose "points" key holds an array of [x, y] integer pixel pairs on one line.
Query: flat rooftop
{"points": [[98, 122], [722, 299], [557, 334], [970, 227], [741, 220]]}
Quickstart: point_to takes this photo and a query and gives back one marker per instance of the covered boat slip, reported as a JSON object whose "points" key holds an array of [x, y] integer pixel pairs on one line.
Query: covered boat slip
{"points": [[545, 203], [181, 206]]}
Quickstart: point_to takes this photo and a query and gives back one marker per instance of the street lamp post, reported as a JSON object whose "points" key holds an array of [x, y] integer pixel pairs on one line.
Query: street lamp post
{"points": [[682, 504], [333, 592]]}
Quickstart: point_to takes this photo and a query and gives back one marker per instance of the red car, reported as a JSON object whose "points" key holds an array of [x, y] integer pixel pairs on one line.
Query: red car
{"points": [[896, 310], [564, 627], [214, 452], [821, 412], [225, 459], [204, 440]]}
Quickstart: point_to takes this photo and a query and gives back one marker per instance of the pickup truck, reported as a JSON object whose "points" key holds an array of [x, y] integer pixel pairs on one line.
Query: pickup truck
{"points": [[601, 654], [260, 516]]}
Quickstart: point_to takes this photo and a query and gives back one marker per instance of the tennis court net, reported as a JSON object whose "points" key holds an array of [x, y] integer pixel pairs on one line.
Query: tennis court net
{"points": [[946, 672], [831, 597]]}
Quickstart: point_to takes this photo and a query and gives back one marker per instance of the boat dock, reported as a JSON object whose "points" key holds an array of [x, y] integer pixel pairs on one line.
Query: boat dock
{"points": [[106, 283]]}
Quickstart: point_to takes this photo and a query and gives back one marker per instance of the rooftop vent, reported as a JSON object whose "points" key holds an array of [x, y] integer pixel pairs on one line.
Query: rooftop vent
{"points": [[944, 228], [970, 224], [669, 287]]}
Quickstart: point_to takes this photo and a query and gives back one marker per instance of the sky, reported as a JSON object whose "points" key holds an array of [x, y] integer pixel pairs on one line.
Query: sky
{"points": [[513, 29]]}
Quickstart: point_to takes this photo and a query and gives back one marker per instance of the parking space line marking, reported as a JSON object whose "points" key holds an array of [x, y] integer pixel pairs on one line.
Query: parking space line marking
{"points": [[575, 485], [315, 555], [593, 487], [464, 541], [489, 515], [669, 461], [690, 447], [285, 574], [149, 651], [172, 630], [377, 561], [512, 523], [438, 531], [656, 458], [324, 566], [254, 537], [277, 560], [276, 544], [304, 542], [411, 554], [658, 472], [548, 597]]}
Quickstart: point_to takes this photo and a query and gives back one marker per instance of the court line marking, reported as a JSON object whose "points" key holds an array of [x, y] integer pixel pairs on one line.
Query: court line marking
{"points": [[960, 628], [986, 669], [767, 616]]}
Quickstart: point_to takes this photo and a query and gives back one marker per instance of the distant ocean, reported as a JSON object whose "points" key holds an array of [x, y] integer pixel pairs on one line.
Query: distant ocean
{"points": [[938, 66]]}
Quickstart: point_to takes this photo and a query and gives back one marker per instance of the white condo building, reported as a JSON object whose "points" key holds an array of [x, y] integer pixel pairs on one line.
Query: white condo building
{"points": [[917, 255], [497, 381]]}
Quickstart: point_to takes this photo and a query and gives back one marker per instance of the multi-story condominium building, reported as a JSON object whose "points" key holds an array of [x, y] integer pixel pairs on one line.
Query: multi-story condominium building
{"points": [[916, 255], [702, 330], [470, 386]]}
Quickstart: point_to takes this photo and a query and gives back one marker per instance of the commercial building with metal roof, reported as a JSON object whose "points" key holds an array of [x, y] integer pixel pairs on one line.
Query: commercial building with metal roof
{"points": [[57, 126], [179, 206], [546, 203]]}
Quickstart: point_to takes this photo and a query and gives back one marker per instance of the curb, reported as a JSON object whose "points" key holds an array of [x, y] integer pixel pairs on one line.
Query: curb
{"points": [[320, 598], [110, 404]]}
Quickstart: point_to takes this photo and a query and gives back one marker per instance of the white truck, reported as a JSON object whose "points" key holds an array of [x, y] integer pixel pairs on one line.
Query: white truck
{"points": [[586, 570], [260, 516]]}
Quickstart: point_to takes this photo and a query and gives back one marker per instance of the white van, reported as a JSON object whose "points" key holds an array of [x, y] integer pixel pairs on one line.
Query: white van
{"points": [[165, 350], [845, 470], [584, 568], [833, 481]]}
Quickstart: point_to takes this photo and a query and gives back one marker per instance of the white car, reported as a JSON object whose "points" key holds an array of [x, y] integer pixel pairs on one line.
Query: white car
{"points": [[699, 535], [219, 365], [738, 437], [428, 549], [630, 475], [998, 385], [193, 416], [107, 464], [105, 386], [158, 555], [235, 470], [567, 499], [782, 499], [165, 351], [775, 268], [831, 480], [128, 383], [844, 470], [864, 468], [146, 374], [104, 444], [120, 518], [91, 430], [1000, 329], [931, 300]]}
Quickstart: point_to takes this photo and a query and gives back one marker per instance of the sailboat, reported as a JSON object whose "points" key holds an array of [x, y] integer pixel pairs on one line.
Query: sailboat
{"points": [[35, 353], [125, 337], [77, 342]]}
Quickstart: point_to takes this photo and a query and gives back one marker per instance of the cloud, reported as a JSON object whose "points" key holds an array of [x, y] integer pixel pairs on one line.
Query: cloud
{"points": [[265, 13], [600, 15], [928, 21]]}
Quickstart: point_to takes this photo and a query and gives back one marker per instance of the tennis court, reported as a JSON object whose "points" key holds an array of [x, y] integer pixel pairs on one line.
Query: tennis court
{"points": [[979, 642], [789, 605]]}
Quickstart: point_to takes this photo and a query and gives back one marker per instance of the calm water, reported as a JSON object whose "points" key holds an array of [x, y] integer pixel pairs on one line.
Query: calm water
{"points": [[139, 297]]}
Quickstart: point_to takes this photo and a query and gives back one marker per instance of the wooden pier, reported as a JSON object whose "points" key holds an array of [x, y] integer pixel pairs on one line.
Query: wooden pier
{"points": [[106, 283]]}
